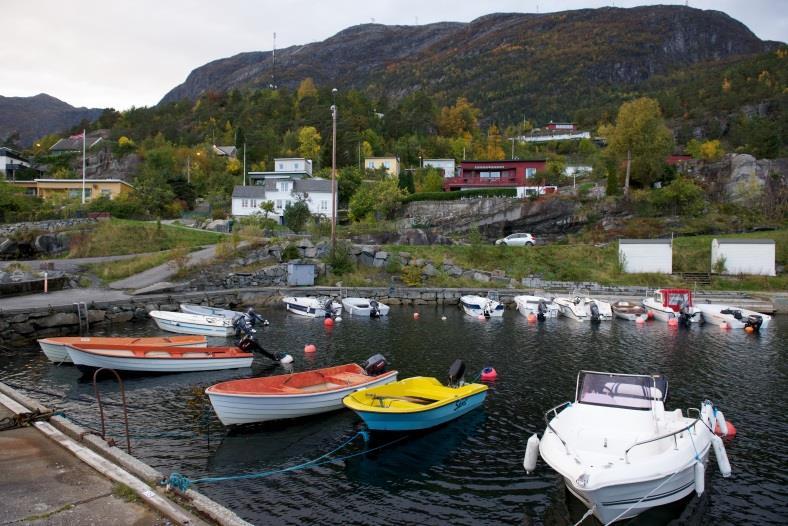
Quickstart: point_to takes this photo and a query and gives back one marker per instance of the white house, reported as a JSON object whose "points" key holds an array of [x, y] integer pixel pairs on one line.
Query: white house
{"points": [[246, 200], [744, 256], [639, 256], [448, 166], [286, 167], [11, 161]]}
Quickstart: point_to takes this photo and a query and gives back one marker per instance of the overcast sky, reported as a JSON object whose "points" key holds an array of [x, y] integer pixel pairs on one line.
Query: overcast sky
{"points": [[96, 53]]}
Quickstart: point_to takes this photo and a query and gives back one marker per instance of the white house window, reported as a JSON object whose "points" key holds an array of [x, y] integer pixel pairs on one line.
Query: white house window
{"points": [[283, 186], [281, 166], [279, 204], [254, 203], [297, 166], [386, 164], [371, 164], [244, 203], [530, 172], [323, 205]]}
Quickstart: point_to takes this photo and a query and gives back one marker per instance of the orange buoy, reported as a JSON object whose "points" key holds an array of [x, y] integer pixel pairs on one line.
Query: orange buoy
{"points": [[415, 315], [650, 315], [532, 318], [731, 430], [310, 348], [749, 330], [328, 322], [489, 373]]}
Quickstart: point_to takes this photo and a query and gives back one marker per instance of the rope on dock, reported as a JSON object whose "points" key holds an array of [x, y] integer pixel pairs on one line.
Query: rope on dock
{"points": [[182, 483]]}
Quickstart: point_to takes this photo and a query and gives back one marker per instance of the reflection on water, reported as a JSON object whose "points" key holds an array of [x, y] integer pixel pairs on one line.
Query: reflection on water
{"points": [[469, 471]]}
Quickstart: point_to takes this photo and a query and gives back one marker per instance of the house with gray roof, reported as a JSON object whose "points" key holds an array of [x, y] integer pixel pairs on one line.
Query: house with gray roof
{"points": [[283, 191]]}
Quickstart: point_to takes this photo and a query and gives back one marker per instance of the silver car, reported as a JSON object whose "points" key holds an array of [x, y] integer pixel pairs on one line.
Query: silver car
{"points": [[517, 240]]}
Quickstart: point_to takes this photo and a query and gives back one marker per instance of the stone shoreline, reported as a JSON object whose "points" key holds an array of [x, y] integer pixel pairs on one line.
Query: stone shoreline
{"points": [[22, 326]]}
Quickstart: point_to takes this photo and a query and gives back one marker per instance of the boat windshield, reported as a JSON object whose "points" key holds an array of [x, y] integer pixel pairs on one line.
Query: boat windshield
{"points": [[620, 390]]}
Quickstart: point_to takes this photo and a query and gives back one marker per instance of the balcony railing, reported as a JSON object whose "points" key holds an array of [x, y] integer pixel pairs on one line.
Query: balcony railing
{"points": [[483, 182]]}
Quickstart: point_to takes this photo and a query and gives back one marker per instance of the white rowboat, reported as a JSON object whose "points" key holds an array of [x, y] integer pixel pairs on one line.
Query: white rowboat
{"points": [[192, 323]]}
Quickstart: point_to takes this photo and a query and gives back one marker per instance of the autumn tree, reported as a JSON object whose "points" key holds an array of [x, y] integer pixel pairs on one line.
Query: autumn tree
{"points": [[309, 143], [459, 120], [640, 139]]}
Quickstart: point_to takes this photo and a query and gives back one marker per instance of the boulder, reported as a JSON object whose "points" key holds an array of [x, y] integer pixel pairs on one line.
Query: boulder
{"points": [[304, 243], [58, 319], [49, 244]]}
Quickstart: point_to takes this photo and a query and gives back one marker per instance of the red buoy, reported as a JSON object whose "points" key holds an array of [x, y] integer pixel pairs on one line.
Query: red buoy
{"points": [[731, 430], [489, 373], [650, 315], [532, 318], [310, 348], [328, 322], [415, 315], [673, 322]]}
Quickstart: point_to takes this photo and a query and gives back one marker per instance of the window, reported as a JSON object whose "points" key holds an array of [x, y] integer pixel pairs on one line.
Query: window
{"points": [[279, 204], [371, 164], [254, 203], [630, 392], [76, 193], [323, 205], [484, 175], [530, 172], [283, 186], [244, 203], [106, 193], [281, 166], [386, 164], [297, 166]]}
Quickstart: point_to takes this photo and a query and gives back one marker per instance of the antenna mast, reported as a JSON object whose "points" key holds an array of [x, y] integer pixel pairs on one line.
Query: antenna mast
{"points": [[273, 65]]}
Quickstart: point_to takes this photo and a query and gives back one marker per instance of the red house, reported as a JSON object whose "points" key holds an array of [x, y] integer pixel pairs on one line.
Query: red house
{"points": [[494, 174]]}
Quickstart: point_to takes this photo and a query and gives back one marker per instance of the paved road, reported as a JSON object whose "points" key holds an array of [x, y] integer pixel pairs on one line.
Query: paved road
{"points": [[162, 272]]}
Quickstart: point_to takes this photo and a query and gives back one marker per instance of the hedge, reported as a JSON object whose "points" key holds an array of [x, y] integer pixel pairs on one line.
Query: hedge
{"points": [[458, 194]]}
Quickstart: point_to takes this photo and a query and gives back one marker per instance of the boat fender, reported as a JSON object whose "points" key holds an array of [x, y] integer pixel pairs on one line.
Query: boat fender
{"points": [[481, 317], [489, 373], [594, 312], [724, 326], [286, 359], [721, 424], [722, 457], [531, 454], [700, 478], [443, 318], [650, 315]]}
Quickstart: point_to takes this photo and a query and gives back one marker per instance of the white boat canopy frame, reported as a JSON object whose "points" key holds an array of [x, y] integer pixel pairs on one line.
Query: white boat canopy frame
{"points": [[625, 391]]}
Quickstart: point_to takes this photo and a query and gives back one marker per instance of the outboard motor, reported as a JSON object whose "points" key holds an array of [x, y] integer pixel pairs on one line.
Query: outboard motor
{"points": [[328, 306], [594, 311], [252, 317], [375, 365], [755, 321], [250, 344], [457, 373], [243, 325], [685, 318], [374, 309], [541, 310]]}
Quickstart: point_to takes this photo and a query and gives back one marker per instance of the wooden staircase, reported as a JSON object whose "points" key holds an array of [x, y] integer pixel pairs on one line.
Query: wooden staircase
{"points": [[698, 278]]}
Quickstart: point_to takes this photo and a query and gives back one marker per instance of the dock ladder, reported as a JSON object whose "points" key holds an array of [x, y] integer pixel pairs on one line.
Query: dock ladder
{"points": [[84, 318]]}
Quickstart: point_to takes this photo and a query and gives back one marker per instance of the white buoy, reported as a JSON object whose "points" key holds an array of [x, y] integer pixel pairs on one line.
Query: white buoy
{"points": [[722, 456], [531, 453], [443, 318], [286, 359], [338, 318], [721, 423], [700, 478]]}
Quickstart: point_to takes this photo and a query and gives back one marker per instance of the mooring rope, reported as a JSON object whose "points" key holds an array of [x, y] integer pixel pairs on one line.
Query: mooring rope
{"points": [[182, 482]]}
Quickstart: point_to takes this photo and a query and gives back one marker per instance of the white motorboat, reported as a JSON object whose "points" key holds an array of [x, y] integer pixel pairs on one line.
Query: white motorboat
{"points": [[183, 323], [250, 315], [734, 317], [620, 452], [295, 395], [667, 304], [312, 307], [540, 307], [365, 307], [583, 308], [55, 348], [628, 311], [481, 306]]}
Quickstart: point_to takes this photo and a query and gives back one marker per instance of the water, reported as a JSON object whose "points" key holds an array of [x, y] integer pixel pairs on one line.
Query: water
{"points": [[470, 471]]}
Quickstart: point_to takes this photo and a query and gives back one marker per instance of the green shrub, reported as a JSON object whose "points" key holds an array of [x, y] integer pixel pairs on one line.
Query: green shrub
{"points": [[411, 276], [340, 261], [290, 252], [450, 196]]}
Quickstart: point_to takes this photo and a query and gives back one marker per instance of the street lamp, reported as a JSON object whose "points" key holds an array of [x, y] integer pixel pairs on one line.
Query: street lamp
{"points": [[512, 139], [334, 172]]}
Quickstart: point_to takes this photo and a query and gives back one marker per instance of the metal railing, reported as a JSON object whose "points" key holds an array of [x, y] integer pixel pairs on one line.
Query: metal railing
{"points": [[673, 434], [554, 410]]}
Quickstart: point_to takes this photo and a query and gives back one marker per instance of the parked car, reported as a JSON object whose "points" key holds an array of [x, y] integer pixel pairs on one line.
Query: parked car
{"points": [[517, 240]]}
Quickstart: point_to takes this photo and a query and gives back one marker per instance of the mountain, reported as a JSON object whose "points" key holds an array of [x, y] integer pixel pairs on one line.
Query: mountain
{"points": [[34, 117], [543, 65]]}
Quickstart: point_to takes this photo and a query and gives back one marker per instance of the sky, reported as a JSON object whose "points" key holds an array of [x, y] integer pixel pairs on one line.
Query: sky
{"points": [[101, 54]]}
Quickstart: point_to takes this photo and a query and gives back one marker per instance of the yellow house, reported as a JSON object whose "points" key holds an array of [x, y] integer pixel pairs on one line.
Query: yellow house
{"points": [[391, 164], [72, 188]]}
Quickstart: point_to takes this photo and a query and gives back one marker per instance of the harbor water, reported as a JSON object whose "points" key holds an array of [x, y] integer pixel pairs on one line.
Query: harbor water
{"points": [[468, 472]]}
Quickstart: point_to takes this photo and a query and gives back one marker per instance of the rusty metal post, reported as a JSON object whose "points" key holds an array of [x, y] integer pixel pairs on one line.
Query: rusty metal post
{"points": [[101, 407]]}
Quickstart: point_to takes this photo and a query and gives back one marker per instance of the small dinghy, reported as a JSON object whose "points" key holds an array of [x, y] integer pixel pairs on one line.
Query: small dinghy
{"points": [[55, 348], [621, 452], [231, 315], [417, 403], [538, 306], [312, 307], [627, 311], [583, 308], [294, 395], [480, 306], [161, 359], [183, 323], [364, 307], [734, 317]]}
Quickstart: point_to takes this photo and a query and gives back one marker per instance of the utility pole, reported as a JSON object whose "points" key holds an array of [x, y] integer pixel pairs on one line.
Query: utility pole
{"points": [[334, 172], [629, 163], [83, 166], [512, 139], [189, 168], [244, 163]]}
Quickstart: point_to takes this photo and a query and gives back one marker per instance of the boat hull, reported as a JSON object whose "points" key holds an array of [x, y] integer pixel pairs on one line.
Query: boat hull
{"points": [[362, 308], [475, 306], [310, 309], [235, 409], [57, 352], [377, 421], [89, 361], [623, 501], [209, 311], [188, 327], [527, 305], [711, 314]]}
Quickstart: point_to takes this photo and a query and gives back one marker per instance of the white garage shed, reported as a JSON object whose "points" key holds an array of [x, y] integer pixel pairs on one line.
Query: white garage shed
{"points": [[744, 256], [639, 256]]}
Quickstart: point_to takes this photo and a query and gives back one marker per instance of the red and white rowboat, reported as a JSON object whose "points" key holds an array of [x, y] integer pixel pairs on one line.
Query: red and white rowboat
{"points": [[294, 395], [156, 358], [55, 348]]}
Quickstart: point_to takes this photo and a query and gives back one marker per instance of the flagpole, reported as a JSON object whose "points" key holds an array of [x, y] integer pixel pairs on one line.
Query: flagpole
{"points": [[83, 166]]}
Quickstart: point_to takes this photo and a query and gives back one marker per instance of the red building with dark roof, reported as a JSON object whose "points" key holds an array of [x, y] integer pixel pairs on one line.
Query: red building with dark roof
{"points": [[494, 174]]}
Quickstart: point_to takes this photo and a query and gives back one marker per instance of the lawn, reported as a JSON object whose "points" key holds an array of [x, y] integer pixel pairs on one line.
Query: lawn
{"points": [[122, 236], [114, 270]]}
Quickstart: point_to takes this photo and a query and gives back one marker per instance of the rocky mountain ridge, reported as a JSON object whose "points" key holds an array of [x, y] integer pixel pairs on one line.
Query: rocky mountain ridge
{"points": [[42, 114]]}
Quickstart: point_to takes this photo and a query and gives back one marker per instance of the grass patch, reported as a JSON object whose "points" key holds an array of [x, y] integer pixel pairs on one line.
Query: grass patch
{"points": [[123, 236], [124, 492], [48, 514], [115, 270]]}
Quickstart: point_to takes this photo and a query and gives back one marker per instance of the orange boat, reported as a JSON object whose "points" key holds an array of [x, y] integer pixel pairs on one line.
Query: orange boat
{"points": [[157, 358], [294, 395], [55, 348]]}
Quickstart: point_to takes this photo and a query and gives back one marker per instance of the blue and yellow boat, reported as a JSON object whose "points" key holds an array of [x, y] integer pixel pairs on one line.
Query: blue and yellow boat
{"points": [[416, 403]]}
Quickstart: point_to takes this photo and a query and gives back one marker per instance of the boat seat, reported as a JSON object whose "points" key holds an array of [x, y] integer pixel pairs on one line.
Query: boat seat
{"points": [[197, 354], [347, 378], [158, 354], [117, 352]]}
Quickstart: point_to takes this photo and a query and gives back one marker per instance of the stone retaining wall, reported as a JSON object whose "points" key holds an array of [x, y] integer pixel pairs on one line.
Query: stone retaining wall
{"points": [[52, 225]]}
